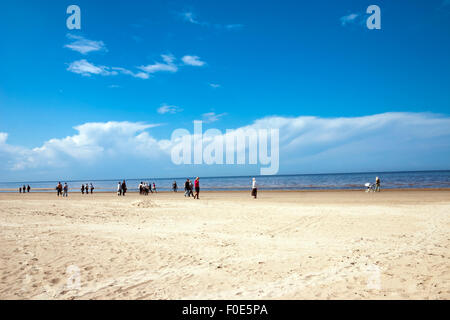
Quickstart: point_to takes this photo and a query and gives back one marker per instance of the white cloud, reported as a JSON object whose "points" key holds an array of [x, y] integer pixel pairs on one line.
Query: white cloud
{"points": [[193, 61], [212, 117], [168, 109], [168, 65], [388, 141], [86, 68], [92, 142], [83, 45], [349, 18], [190, 17], [214, 85], [141, 75], [236, 26]]}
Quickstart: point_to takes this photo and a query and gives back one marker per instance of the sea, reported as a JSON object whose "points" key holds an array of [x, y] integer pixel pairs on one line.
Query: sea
{"points": [[333, 181]]}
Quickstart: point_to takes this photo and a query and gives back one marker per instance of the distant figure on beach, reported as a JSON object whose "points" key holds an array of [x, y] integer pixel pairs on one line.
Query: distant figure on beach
{"points": [[186, 188], [28, 188], [377, 184], [254, 188], [24, 189], [119, 189], [92, 188], [59, 189], [154, 187], [86, 188], [20, 189], [65, 190], [124, 187], [82, 189], [144, 188], [174, 186], [197, 187], [191, 188]]}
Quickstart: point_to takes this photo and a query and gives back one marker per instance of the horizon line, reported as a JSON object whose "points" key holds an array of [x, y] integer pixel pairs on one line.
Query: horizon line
{"points": [[239, 176]]}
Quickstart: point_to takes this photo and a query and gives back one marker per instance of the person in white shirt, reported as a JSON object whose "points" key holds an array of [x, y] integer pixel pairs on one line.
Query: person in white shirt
{"points": [[254, 189]]}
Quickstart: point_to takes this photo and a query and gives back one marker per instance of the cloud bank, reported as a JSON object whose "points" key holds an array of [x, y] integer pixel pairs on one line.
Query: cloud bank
{"points": [[388, 141]]}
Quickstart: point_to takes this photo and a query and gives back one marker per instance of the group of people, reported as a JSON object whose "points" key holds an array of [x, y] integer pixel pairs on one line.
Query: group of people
{"points": [[189, 188], [62, 190], [24, 189], [86, 188], [121, 188], [145, 188]]}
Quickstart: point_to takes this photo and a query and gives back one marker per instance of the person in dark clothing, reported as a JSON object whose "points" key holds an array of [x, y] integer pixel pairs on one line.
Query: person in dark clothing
{"points": [[28, 188], [197, 187], [82, 189], [124, 187], [92, 188], [191, 188], [254, 188], [65, 190], [24, 189], [186, 188], [174, 186], [20, 189], [59, 189]]}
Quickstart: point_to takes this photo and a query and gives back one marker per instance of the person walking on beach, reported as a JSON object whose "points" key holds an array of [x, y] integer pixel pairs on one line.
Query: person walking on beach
{"points": [[92, 188], [28, 188], [82, 189], [197, 187], [119, 189], [186, 188], [191, 188], [254, 188], [141, 188], [59, 189], [87, 188], [65, 190], [154, 188], [124, 188], [377, 184], [20, 189], [24, 189], [174, 186]]}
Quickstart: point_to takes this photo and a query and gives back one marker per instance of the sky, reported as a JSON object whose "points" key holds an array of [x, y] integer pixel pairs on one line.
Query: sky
{"points": [[102, 102]]}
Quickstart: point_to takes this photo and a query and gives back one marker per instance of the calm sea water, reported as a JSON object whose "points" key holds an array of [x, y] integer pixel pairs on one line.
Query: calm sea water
{"points": [[389, 180]]}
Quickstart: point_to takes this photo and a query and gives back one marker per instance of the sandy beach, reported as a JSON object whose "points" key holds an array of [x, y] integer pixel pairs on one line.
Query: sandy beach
{"points": [[284, 245]]}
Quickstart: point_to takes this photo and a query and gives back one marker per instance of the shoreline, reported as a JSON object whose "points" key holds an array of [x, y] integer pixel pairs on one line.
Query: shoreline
{"points": [[48, 190]]}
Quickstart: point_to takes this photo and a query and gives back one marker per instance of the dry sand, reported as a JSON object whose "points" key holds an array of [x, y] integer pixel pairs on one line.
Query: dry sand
{"points": [[284, 245]]}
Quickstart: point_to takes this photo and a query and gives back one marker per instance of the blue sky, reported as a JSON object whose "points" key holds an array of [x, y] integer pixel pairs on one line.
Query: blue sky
{"points": [[231, 63]]}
